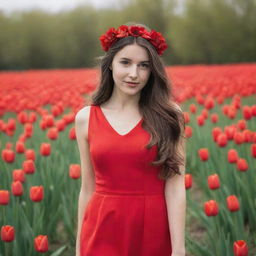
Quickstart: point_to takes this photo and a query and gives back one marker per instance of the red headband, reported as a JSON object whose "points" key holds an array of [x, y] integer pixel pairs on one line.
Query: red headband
{"points": [[112, 35]]}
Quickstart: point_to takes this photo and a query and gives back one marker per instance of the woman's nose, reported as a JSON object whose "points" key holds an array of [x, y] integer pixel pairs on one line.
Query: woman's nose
{"points": [[133, 72]]}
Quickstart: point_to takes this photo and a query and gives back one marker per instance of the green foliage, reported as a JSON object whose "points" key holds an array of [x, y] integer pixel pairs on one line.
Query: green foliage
{"points": [[202, 31]]}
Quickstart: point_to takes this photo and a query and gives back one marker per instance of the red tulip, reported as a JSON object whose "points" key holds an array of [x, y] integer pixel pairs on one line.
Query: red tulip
{"points": [[200, 120], [213, 181], [45, 149], [18, 175], [253, 150], [8, 155], [209, 103], [222, 140], [72, 133], [30, 154], [214, 118], [216, 131], [238, 138], [4, 197], [240, 248], [192, 108], [205, 113], [230, 131], [188, 131], [211, 208], [232, 156], [241, 124], [233, 203], [203, 154], [28, 130], [20, 147], [188, 180], [7, 233], [253, 109], [53, 133], [60, 124], [37, 193], [74, 171], [247, 113], [11, 124], [231, 112], [242, 164], [28, 166], [200, 99], [49, 120], [22, 117], [41, 243], [17, 189], [248, 135]]}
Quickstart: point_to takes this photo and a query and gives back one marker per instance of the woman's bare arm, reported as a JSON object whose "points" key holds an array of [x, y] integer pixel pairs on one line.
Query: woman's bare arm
{"points": [[87, 172], [175, 195]]}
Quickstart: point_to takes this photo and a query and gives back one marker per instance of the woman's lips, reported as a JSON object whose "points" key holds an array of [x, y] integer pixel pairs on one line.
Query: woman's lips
{"points": [[132, 84]]}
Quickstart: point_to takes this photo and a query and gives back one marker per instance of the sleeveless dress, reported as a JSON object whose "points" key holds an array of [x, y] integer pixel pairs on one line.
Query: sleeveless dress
{"points": [[127, 213]]}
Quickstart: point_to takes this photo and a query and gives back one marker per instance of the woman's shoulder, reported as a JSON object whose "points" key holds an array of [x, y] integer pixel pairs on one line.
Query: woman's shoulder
{"points": [[82, 116]]}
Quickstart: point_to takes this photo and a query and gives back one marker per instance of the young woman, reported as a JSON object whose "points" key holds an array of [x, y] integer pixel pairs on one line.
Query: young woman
{"points": [[131, 141]]}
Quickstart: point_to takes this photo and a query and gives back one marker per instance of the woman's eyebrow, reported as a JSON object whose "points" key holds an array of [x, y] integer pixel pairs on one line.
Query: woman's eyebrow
{"points": [[130, 59]]}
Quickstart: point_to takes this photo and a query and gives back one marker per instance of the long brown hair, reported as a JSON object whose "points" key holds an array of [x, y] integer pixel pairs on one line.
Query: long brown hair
{"points": [[162, 119]]}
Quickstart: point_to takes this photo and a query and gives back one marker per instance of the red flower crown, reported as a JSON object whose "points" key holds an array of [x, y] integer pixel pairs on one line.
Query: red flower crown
{"points": [[112, 35]]}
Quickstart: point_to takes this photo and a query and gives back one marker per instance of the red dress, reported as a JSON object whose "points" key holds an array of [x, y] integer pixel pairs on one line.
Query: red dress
{"points": [[127, 213]]}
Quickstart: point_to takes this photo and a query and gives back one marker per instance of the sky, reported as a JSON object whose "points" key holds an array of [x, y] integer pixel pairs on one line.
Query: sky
{"points": [[8, 6]]}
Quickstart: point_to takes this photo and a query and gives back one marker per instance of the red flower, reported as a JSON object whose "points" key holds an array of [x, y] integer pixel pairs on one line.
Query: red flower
{"points": [[242, 164], [241, 124], [112, 35], [233, 203], [60, 124], [41, 243], [4, 197], [213, 181], [211, 208], [136, 30], [247, 113], [192, 108], [216, 131], [203, 154], [188, 180], [232, 156], [186, 117], [240, 248], [230, 131], [53, 133], [49, 120], [37, 193], [30, 154], [214, 118], [209, 103], [18, 175], [74, 171], [17, 189], [200, 120], [7, 233], [8, 155], [222, 140], [188, 131], [20, 147], [45, 149], [72, 133], [238, 138], [28, 166], [253, 150]]}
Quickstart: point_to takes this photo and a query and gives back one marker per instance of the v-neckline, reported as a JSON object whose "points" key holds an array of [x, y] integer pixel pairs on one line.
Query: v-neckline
{"points": [[112, 128]]}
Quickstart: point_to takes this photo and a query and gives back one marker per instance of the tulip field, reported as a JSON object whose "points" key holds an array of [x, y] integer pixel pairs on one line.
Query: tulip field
{"points": [[40, 166]]}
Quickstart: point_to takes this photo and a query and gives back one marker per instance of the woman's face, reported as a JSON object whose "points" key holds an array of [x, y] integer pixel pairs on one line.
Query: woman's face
{"points": [[131, 69]]}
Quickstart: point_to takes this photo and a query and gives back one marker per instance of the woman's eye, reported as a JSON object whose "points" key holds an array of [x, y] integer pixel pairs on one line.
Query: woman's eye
{"points": [[145, 65], [124, 62]]}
